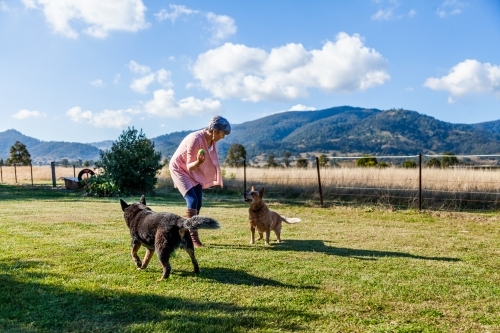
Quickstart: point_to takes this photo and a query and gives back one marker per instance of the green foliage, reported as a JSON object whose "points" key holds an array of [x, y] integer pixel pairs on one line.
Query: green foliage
{"points": [[19, 154], [447, 161], [100, 186], [366, 161], [271, 162], [302, 163], [409, 164], [286, 158], [236, 156], [132, 162], [382, 165], [323, 161], [1, 162], [433, 163]]}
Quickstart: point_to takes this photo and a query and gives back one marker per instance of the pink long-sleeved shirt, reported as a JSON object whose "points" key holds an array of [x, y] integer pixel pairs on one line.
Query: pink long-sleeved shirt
{"points": [[208, 174]]}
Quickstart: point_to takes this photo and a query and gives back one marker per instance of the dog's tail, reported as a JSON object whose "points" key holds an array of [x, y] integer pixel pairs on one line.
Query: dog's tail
{"points": [[201, 222], [291, 220]]}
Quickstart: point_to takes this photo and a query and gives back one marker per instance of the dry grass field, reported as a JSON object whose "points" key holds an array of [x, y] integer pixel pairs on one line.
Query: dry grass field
{"points": [[450, 189]]}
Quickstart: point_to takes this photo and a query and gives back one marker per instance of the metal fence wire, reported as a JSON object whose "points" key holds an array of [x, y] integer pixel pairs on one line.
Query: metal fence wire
{"points": [[459, 182]]}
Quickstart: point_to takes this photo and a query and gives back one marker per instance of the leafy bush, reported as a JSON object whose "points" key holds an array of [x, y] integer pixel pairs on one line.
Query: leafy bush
{"points": [[409, 164], [132, 163], [100, 186], [366, 161], [433, 163]]}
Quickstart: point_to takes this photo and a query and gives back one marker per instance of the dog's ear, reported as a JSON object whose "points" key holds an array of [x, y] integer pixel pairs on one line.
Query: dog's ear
{"points": [[261, 192], [124, 204], [143, 200]]}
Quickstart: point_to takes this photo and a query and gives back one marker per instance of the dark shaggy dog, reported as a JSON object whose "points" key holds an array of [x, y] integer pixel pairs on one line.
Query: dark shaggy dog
{"points": [[161, 232], [262, 218]]}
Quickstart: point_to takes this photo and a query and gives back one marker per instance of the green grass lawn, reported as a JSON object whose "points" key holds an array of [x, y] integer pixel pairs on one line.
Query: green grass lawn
{"points": [[65, 266]]}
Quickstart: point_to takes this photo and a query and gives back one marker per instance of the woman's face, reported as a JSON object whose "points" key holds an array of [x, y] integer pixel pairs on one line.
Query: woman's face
{"points": [[217, 135]]}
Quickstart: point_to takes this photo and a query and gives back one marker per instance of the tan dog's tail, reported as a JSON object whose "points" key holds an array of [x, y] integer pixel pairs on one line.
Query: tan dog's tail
{"points": [[291, 220]]}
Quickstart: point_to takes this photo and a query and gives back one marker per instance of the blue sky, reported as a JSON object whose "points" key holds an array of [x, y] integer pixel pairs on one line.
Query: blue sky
{"points": [[83, 71]]}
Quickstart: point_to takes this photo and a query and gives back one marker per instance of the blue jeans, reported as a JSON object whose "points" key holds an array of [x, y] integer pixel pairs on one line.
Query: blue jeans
{"points": [[194, 197]]}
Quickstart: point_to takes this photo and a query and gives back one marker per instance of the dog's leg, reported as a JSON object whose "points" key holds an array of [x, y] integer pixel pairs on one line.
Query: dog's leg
{"points": [[135, 247], [268, 234], [277, 231], [164, 257], [252, 234], [196, 268], [147, 258], [261, 235]]}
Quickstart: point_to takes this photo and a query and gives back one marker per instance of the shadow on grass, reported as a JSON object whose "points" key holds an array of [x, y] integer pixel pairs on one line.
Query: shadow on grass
{"points": [[320, 247], [31, 306], [231, 276]]}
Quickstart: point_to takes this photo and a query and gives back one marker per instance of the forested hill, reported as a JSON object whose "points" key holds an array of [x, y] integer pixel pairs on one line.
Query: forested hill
{"points": [[341, 130], [47, 151], [352, 130]]}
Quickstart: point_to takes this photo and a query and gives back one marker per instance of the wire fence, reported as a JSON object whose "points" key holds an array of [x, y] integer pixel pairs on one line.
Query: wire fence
{"points": [[459, 182]]}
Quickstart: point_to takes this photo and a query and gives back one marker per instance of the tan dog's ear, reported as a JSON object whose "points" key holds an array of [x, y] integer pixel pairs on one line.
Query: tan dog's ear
{"points": [[261, 192], [143, 200], [182, 232], [252, 189]]}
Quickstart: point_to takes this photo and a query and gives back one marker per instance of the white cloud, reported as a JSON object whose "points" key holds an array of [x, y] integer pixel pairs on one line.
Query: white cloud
{"points": [[138, 68], [106, 118], [222, 26], [97, 83], [4, 7], [287, 72], [384, 15], [99, 17], [301, 107], [141, 85], [164, 104], [468, 77], [412, 13], [177, 10], [450, 7], [24, 114], [117, 78]]}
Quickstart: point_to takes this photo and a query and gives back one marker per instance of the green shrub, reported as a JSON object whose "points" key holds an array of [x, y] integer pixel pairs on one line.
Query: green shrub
{"points": [[409, 164], [100, 186]]}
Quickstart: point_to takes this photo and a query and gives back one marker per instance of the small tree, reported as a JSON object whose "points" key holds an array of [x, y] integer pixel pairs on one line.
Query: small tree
{"points": [[19, 154], [302, 163], [449, 160], [286, 158], [271, 162], [236, 156], [409, 164], [131, 163], [323, 161], [1, 161], [433, 163], [366, 161]]}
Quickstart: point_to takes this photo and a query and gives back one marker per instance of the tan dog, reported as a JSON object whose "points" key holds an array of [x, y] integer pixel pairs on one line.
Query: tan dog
{"points": [[262, 218]]}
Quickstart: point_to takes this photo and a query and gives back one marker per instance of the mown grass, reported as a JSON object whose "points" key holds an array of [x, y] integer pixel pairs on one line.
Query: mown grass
{"points": [[65, 267]]}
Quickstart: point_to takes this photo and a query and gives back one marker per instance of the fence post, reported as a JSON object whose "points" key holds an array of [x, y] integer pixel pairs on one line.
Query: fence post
{"points": [[74, 172], [420, 182], [319, 182], [53, 167], [31, 169], [15, 172], [244, 176], [1, 173]]}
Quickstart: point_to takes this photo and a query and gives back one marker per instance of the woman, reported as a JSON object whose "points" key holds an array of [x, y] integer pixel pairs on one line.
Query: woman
{"points": [[195, 166]]}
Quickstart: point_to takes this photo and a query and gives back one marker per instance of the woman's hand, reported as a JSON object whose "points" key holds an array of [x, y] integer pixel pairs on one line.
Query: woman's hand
{"points": [[200, 158]]}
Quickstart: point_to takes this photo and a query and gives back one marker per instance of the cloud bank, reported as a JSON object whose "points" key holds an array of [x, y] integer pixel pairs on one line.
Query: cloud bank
{"points": [[99, 17], [468, 77], [287, 72]]}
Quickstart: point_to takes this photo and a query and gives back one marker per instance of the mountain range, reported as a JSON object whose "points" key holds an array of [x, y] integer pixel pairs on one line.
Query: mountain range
{"points": [[338, 130]]}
